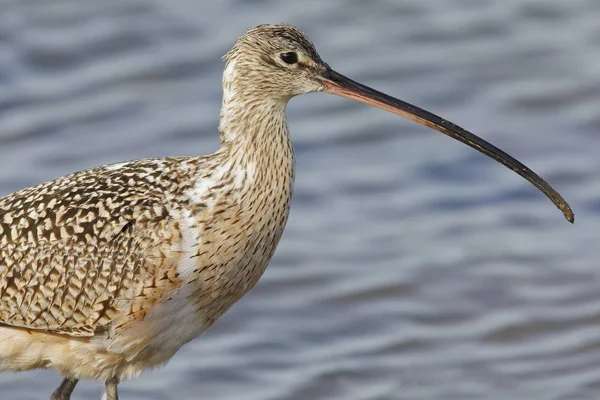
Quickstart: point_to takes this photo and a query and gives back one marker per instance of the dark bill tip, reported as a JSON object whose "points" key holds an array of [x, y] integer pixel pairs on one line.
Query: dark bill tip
{"points": [[340, 85]]}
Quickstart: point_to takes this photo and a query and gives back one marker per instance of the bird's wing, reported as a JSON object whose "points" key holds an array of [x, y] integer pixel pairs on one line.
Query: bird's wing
{"points": [[86, 251]]}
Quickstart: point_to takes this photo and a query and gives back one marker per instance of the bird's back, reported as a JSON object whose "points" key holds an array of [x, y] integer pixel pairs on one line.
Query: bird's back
{"points": [[77, 252], [86, 257]]}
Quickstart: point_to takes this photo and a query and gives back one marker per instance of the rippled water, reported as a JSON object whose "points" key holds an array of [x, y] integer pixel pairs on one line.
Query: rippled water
{"points": [[412, 267]]}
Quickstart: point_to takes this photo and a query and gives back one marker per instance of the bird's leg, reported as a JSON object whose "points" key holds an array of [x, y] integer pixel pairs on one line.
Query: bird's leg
{"points": [[65, 389], [111, 389]]}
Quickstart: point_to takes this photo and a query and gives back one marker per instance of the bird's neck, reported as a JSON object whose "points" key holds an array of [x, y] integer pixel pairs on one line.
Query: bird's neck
{"points": [[257, 148], [255, 140], [254, 128]]}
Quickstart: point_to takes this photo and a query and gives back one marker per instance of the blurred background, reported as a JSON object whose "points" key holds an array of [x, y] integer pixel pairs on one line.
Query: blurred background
{"points": [[412, 267]]}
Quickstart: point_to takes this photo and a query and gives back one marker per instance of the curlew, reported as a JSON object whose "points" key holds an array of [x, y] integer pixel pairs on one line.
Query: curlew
{"points": [[109, 271]]}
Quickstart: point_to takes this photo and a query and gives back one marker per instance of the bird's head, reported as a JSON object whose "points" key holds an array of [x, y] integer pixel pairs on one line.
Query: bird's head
{"points": [[276, 62]]}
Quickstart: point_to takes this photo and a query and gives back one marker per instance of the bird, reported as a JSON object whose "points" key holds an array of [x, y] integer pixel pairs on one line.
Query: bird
{"points": [[107, 272]]}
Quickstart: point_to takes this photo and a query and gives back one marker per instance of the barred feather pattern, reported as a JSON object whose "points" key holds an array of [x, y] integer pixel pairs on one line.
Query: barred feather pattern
{"points": [[78, 252]]}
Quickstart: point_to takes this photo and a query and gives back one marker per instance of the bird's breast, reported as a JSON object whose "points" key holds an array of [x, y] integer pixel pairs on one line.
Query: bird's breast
{"points": [[229, 237]]}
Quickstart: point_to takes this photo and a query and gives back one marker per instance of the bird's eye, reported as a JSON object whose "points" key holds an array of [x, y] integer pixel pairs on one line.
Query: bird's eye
{"points": [[289, 58]]}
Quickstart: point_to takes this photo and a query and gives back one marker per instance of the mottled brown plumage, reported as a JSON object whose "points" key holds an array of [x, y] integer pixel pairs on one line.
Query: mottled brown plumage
{"points": [[109, 271]]}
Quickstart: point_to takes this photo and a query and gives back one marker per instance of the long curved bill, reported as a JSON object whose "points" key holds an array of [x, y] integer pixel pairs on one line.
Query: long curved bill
{"points": [[340, 85]]}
